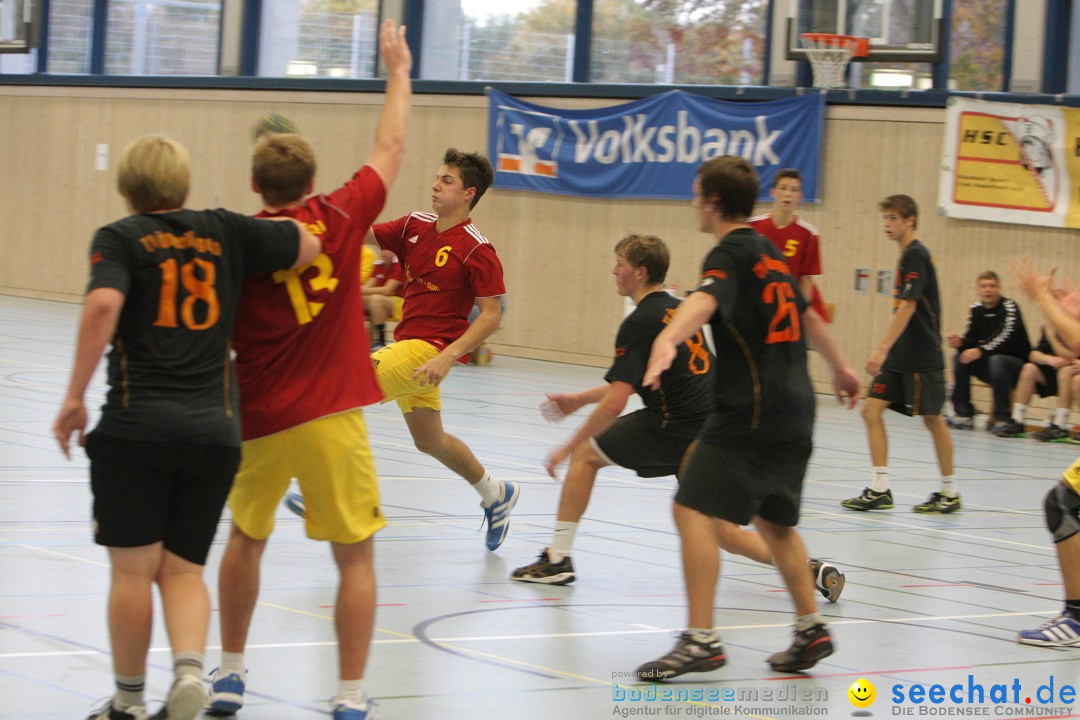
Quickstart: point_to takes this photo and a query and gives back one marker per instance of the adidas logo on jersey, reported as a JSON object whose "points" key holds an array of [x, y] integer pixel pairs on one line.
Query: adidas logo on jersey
{"points": [[414, 238]]}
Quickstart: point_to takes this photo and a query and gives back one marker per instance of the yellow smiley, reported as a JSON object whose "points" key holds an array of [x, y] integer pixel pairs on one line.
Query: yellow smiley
{"points": [[862, 693]]}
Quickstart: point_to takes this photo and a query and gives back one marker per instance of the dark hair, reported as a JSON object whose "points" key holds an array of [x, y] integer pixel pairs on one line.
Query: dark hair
{"points": [[902, 204], [786, 173], [734, 183], [647, 251], [282, 166], [989, 275], [475, 169]]}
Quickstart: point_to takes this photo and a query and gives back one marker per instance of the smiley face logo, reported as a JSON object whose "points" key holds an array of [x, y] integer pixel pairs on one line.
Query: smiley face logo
{"points": [[862, 693]]}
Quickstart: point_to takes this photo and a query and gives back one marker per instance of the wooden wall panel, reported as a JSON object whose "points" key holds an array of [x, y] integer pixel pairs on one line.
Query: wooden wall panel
{"points": [[556, 250]]}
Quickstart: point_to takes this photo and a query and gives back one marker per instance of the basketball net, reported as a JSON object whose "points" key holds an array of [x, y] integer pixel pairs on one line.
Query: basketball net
{"points": [[829, 56]]}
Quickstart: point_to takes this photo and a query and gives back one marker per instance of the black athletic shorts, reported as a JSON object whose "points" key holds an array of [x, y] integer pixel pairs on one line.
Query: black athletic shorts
{"points": [[148, 492], [911, 393], [640, 442], [737, 481], [1048, 386]]}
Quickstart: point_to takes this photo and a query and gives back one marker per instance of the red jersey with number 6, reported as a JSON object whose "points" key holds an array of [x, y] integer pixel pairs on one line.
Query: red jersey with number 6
{"points": [[444, 274], [302, 351]]}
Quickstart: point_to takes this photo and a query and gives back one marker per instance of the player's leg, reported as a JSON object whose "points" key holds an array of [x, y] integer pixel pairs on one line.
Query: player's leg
{"points": [[1062, 509], [947, 498], [354, 620], [877, 496], [1003, 372], [554, 566], [1031, 376], [961, 394]]}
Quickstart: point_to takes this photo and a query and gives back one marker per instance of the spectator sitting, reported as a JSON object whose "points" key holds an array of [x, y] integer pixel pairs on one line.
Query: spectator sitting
{"points": [[1052, 369], [993, 349]]}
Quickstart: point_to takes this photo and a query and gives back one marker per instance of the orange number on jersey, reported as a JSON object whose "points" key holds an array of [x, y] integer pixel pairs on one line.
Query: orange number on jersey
{"points": [[306, 310], [791, 247], [781, 294], [443, 255], [699, 354], [198, 290]]}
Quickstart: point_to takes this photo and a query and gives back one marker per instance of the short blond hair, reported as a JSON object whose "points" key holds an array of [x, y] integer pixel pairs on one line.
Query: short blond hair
{"points": [[282, 166], [154, 173]]}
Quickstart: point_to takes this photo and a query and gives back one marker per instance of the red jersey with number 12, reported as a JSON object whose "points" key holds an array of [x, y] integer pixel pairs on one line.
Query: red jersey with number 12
{"points": [[444, 274], [302, 352]]}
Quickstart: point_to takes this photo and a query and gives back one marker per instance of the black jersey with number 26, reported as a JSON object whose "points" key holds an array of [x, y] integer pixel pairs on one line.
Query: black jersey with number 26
{"points": [[763, 392]]}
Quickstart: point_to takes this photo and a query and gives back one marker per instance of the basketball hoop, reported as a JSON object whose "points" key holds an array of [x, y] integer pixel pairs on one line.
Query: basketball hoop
{"points": [[830, 54]]}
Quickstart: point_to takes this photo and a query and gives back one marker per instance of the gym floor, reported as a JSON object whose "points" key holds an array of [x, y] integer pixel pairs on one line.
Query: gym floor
{"points": [[930, 600]]}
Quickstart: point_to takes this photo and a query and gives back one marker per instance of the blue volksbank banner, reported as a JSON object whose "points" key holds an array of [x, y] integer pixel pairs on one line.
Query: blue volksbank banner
{"points": [[650, 148]]}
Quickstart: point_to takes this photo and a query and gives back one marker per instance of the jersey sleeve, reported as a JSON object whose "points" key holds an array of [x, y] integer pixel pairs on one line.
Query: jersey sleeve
{"points": [[719, 278], [391, 235], [362, 197], [485, 271], [913, 276], [632, 349], [111, 262], [268, 245]]}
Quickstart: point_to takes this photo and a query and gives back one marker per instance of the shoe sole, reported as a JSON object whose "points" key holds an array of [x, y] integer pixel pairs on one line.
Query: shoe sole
{"points": [[558, 579], [937, 511], [184, 703], [803, 664], [224, 704], [707, 665], [1047, 643], [505, 528], [834, 582], [863, 508]]}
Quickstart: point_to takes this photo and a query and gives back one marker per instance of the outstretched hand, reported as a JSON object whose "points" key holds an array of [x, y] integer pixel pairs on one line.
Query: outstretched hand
{"points": [[393, 48]]}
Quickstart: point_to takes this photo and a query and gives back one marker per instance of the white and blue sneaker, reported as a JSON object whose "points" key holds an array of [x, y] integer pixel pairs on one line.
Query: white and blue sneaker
{"points": [[1062, 631], [497, 516], [294, 501], [346, 710], [226, 693]]}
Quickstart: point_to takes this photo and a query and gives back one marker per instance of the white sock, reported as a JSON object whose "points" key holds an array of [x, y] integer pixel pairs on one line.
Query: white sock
{"points": [[353, 692], [1061, 417], [188, 663], [948, 486], [703, 634], [129, 691], [231, 663], [808, 621], [562, 540], [490, 490], [880, 483], [1019, 410]]}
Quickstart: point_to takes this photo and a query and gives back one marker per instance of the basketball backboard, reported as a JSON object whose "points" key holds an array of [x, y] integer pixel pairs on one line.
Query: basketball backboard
{"points": [[898, 30]]}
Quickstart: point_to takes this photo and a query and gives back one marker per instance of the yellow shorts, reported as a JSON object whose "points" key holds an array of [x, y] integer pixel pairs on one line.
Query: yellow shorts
{"points": [[394, 368], [395, 314], [331, 459], [1072, 475]]}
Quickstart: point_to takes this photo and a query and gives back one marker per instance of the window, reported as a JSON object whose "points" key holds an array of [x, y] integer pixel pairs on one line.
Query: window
{"points": [[70, 29], [162, 37], [977, 45], [718, 42], [319, 38]]}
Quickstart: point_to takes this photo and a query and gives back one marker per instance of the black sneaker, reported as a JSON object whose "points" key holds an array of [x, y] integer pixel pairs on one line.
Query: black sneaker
{"points": [[108, 712], [939, 503], [962, 423], [688, 655], [870, 500], [810, 645], [546, 572], [829, 580], [1052, 433], [1010, 429]]}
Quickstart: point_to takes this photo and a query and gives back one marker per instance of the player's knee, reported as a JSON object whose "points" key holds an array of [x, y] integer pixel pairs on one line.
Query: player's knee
{"points": [[1062, 512]]}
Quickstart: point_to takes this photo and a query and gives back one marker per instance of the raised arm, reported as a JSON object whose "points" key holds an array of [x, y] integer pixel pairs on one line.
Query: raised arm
{"points": [[389, 147]]}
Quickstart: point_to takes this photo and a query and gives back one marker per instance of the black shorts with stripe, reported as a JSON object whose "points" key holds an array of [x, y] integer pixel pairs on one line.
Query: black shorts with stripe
{"points": [[911, 393], [647, 444]]}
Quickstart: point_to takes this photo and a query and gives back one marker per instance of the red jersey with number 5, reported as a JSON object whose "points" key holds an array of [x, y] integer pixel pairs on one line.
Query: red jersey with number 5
{"points": [[798, 242], [302, 351], [444, 274]]}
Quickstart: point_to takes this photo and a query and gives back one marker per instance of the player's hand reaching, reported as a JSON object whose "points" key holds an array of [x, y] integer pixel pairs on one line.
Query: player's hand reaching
{"points": [[556, 459], [434, 370], [558, 406], [846, 383], [874, 362], [393, 48], [660, 359]]}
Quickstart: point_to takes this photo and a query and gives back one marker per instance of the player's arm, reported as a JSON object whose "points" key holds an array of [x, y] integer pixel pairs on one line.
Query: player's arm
{"points": [[900, 319], [1039, 288], [692, 313], [563, 404], [806, 286], [388, 288], [433, 371], [310, 245], [820, 337], [607, 410], [389, 147], [101, 312], [1060, 350]]}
